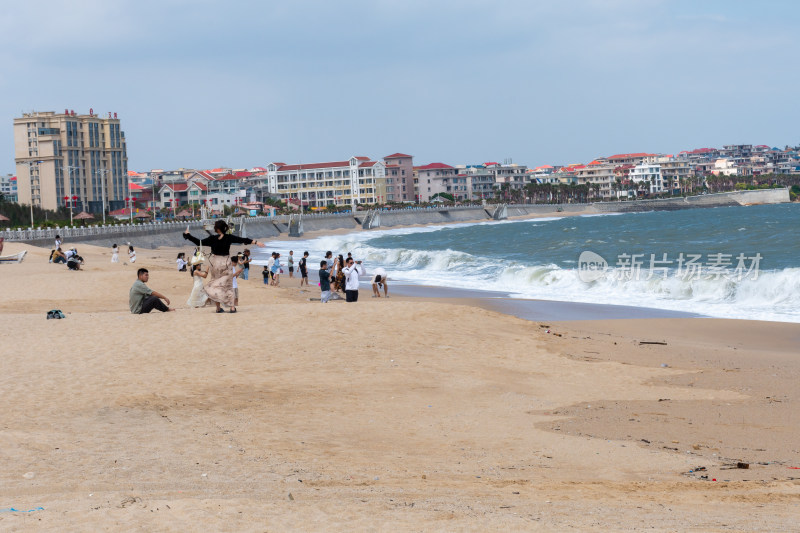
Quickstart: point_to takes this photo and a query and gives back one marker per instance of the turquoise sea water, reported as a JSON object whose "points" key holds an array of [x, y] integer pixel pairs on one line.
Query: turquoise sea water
{"points": [[736, 262]]}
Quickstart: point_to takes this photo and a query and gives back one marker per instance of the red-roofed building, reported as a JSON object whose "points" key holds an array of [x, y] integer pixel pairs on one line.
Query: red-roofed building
{"points": [[400, 177], [8, 187], [437, 178], [629, 159], [357, 180]]}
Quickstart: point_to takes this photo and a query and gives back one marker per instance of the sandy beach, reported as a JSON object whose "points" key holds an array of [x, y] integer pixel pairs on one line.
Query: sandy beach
{"points": [[407, 414]]}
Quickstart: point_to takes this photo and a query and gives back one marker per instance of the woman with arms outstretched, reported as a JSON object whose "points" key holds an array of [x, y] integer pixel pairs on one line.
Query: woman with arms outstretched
{"points": [[220, 274]]}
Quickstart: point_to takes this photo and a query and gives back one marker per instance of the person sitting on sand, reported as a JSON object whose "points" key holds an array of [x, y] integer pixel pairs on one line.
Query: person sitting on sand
{"points": [[181, 261], [143, 299], [58, 256], [74, 261]]}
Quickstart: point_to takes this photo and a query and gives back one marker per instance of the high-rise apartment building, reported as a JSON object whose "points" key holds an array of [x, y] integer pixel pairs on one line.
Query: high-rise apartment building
{"points": [[66, 159]]}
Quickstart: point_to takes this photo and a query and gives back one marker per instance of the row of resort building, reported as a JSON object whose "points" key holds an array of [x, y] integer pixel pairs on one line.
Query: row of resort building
{"points": [[74, 160]]}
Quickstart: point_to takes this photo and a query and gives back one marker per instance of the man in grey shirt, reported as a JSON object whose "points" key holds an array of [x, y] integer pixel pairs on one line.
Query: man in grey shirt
{"points": [[143, 299]]}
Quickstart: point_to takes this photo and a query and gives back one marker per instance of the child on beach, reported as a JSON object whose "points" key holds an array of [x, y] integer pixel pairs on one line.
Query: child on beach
{"points": [[131, 253], [265, 273], [244, 260], [236, 271], [198, 297], [270, 262], [181, 262], [290, 262], [276, 270], [115, 253]]}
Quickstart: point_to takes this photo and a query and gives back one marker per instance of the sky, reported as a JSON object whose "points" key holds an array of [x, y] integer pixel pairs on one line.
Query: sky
{"points": [[242, 83]]}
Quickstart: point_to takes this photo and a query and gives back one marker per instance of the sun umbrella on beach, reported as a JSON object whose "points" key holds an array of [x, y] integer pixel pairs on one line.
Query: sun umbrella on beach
{"points": [[83, 215], [141, 215], [183, 214]]}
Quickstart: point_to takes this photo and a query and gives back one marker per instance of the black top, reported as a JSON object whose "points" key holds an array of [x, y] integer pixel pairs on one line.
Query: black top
{"points": [[219, 246]]}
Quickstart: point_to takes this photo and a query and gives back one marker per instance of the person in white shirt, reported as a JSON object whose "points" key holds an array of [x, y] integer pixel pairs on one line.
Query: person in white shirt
{"points": [[181, 260], [379, 278], [270, 263], [115, 253], [351, 273]]}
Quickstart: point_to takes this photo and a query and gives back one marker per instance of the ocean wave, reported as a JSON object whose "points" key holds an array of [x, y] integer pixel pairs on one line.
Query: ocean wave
{"points": [[774, 295], [503, 260]]}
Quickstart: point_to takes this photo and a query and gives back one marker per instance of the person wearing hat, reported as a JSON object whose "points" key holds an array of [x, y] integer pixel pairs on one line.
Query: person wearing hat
{"points": [[198, 297]]}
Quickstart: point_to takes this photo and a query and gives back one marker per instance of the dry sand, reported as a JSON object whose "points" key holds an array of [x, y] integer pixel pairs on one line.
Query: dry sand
{"points": [[385, 415]]}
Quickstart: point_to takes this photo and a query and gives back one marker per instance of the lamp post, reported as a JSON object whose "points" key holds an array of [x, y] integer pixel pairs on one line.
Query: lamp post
{"points": [[129, 203], [70, 200], [130, 207], [30, 178], [69, 192], [103, 172]]}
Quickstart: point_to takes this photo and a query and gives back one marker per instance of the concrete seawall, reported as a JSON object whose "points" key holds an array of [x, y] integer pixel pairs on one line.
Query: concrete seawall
{"points": [[169, 234]]}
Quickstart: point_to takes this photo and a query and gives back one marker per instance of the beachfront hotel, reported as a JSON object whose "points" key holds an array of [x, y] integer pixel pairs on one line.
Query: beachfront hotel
{"points": [[66, 159], [358, 180]]}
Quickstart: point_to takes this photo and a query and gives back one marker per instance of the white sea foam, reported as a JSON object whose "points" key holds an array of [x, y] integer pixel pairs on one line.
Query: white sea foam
{"points": [[774, 295]]}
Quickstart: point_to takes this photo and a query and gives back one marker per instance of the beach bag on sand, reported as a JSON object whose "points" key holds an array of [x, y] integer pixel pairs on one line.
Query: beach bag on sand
{"points": [[55, 313]]}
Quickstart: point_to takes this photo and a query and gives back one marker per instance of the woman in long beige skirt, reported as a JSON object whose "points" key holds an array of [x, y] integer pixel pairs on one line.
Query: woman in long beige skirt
{"points": [[220, 273]]}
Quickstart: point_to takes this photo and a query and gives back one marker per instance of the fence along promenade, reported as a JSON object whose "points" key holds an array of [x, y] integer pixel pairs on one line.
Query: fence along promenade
{"points": [[397, 217], [123, 229]]}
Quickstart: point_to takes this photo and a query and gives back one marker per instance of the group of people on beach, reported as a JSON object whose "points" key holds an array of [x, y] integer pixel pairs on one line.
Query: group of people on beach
{"points": [[74, 261], [70, 257], [214, 279]]}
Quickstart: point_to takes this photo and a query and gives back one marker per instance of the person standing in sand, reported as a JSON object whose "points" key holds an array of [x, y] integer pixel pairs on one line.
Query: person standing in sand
{"points": [[351, 273], [290, 263], [220, 274], [324, 282], [142, 299], [198, 297], [270, 262], [131, 253], [244, 261], [337, 273], [276, 270], [304, 269], [115, 253]]}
